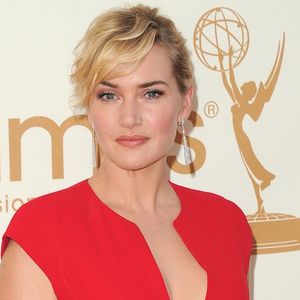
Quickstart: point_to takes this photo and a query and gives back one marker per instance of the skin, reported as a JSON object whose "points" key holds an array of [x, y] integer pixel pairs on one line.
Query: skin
{"points": [[134, 177], [21, 278], [131, 180]]}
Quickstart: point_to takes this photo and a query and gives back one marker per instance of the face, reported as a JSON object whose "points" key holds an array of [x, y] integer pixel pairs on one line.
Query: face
{"points": [[249, 89], [135, 116]]}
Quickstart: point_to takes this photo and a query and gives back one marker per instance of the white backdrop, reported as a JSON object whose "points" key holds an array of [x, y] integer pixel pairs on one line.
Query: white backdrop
{"points": [[37, 38]]}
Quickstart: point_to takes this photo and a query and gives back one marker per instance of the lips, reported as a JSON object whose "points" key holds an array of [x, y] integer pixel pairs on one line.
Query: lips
{"points": [[132, 140]]}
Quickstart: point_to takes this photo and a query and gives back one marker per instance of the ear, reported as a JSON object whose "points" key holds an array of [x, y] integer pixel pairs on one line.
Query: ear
{"points": [[187, 104]]}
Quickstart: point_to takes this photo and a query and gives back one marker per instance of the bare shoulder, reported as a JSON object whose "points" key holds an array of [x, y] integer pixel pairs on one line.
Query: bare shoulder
{"points": [[21, 277]]}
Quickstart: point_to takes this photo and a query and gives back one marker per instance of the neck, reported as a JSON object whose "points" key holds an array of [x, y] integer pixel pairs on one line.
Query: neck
{"points": [[144, 190]]}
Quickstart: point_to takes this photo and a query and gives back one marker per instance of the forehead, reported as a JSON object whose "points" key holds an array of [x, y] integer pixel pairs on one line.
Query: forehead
{"points": [[155, 66]]}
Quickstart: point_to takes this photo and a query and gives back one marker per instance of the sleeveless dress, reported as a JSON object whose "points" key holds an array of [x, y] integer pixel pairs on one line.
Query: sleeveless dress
{"points": [[88, 251]]}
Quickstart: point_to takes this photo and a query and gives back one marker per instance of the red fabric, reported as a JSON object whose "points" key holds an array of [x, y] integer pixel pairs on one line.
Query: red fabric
{"points": [[90, 252]]}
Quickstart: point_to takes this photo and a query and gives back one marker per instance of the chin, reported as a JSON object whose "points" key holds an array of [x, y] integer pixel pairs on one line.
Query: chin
{"points": [[136, 164]]}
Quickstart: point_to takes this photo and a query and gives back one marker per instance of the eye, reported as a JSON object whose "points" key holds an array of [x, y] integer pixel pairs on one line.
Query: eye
{"points": [[153, 94], [107, 96]]}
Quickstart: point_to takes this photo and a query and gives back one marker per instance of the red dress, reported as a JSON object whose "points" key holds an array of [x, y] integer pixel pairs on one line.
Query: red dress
{"points": [[89, 252]]}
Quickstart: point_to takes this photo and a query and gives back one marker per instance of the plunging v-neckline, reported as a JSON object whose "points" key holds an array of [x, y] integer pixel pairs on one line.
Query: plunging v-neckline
{"points": [[175, 223]]}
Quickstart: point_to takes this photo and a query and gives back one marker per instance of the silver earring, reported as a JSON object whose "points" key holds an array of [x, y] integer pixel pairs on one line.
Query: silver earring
{"points": [[95, 150], [186, 149]]}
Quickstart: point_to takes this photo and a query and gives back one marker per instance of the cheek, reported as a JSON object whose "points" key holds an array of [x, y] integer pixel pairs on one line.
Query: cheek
{"points": [[165, 122], [102, 123]]}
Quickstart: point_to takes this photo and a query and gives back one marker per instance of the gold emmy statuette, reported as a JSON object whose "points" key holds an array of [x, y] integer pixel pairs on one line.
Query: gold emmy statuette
{"points": [[221, 41]]}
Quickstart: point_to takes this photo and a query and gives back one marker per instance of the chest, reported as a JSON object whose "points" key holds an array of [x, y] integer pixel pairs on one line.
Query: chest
{"points": [[183, 277]]}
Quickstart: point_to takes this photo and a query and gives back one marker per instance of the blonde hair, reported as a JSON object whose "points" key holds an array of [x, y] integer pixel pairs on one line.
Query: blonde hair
{"points": [[117, 41]]}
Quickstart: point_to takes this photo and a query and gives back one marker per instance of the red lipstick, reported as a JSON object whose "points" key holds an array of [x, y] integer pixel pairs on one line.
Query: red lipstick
{"points": [[132, 140]]}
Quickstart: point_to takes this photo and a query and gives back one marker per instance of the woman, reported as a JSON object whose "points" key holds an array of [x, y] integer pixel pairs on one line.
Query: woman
{"points": [[127, 232]]}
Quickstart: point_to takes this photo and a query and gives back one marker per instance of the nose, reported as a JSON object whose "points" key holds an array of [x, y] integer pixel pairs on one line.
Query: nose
{"points": [[130, 113]]}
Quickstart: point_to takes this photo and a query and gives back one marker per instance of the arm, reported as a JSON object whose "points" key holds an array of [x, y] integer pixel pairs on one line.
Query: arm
{"points": [[21, 277], [235, 89], [265, 90], [224, 78]]}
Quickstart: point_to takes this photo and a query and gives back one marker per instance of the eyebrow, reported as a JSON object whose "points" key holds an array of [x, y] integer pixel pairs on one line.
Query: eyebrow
{"points": [[143, 85]]}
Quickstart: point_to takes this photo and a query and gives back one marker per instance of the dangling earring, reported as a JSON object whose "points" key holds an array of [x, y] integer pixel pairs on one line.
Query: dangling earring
{"points": [[94, 149], [186, 149]]}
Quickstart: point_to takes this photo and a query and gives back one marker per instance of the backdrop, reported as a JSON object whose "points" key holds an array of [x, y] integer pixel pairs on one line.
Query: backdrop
{"points": [[244, 130]]}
